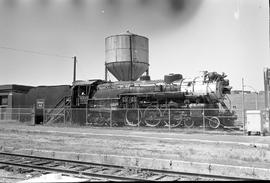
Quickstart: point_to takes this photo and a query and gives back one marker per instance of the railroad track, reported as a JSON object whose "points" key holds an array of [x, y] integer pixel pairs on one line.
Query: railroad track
{"points": [[96, 171]]}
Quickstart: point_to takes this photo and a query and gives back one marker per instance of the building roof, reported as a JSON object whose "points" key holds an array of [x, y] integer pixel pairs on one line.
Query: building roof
{"points": [[87, 82], [15, 88]]}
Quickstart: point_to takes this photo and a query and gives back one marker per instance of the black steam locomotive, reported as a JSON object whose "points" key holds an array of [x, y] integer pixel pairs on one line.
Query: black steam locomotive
{"points": [[174, 101]]}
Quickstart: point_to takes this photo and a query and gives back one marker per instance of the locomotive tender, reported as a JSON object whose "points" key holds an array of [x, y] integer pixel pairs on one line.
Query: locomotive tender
{"points": [[174, 101]]}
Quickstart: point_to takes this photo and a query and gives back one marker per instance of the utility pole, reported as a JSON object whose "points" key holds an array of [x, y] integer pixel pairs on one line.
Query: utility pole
{"points": [[257, 93], [74, 68], [256, 96], [243, 106]]}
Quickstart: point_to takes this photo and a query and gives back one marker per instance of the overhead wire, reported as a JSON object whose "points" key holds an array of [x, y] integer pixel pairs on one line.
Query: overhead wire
{"points": [[34, 52], [40, 53]]}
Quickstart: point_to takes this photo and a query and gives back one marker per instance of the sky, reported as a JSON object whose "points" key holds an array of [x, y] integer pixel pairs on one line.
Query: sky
{"points": [[185, 36]]}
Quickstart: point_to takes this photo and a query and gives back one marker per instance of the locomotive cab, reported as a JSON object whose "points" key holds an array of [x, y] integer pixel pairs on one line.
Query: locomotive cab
{"points": [[82, 91]]}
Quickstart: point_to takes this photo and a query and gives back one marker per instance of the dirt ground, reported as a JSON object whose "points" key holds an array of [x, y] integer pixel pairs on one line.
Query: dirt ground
{"points": [[11, 177], [252, 151]]}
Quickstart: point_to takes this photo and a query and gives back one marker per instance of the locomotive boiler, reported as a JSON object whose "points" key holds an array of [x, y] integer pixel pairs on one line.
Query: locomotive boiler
{"points": [[174, 101]]}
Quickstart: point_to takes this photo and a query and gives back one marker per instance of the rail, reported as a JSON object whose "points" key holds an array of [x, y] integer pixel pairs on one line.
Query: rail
{"points": [[103, 171]]}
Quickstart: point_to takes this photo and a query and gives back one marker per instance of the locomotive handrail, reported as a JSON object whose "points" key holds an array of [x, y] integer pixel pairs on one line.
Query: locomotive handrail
{"points": [[230, 102], [103, 99], [60, 99], [212, 91], [221, 102], [57, 108]]}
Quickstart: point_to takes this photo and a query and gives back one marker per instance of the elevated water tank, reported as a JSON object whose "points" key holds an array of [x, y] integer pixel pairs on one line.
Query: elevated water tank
{"points": [[126, 56]]}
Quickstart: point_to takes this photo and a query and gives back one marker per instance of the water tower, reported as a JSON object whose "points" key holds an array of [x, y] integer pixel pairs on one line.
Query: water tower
{"points": [[126, 56]]}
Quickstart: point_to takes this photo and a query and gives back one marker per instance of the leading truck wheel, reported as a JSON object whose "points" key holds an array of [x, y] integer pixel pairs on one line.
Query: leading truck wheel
{"points": [[152, 116], [133, 117], [214, 122]]}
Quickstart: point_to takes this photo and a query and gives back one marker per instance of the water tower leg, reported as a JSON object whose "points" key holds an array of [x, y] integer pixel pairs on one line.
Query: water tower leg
{"points": [[106, 72], [147, 72]]}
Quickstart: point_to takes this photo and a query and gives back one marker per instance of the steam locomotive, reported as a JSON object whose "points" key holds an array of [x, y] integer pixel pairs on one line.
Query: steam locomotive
{"points": [[174, 101]]}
